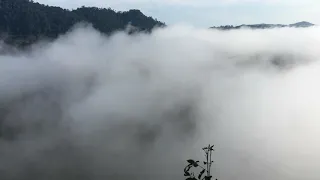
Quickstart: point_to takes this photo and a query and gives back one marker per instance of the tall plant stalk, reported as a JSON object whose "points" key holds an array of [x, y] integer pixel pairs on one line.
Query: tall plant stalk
{"points": [[195, 164]]}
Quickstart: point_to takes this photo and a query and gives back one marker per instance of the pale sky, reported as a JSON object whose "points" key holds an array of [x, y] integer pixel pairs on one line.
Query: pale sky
{"points": [[207, 13]]}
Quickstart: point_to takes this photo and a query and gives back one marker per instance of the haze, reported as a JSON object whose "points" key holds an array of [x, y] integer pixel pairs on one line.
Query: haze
{"points": [[87, 106]]}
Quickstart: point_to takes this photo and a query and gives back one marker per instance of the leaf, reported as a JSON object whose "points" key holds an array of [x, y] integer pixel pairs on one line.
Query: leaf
{"points": [[186, 169], [187, 174], [191, 161], [201, 173], [195, 164]]}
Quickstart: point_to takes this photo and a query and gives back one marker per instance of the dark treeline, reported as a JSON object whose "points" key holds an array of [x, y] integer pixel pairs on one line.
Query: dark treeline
{"points": [[22, 22]]}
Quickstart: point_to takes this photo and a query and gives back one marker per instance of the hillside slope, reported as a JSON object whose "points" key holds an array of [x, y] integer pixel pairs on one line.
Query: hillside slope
{"points": [[23, 22]]}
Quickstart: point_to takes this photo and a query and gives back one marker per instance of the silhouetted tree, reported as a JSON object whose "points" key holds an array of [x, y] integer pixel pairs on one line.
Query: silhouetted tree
{"points": [[196, 164]]}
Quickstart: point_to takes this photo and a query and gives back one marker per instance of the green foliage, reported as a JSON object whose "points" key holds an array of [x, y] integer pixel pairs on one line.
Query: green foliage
{"points": [[205, 169], [22, 22]]}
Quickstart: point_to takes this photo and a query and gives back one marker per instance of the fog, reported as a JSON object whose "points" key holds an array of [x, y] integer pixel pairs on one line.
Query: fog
{"points": [[88, 106]]}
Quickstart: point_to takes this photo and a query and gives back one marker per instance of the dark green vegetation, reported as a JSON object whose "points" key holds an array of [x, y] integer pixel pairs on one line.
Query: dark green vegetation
{"points": [[302, 24], [205, 173], [23, 22]]}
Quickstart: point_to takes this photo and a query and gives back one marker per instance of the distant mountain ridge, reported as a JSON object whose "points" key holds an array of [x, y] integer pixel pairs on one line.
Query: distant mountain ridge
{"points": [[24, 22], [302, 24]]}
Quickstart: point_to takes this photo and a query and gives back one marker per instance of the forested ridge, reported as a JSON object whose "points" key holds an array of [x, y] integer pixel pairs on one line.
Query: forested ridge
{"points": [[23, 22]]}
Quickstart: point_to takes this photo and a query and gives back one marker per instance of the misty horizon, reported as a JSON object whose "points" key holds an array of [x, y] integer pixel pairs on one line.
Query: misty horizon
{"points": [[208, 13]]}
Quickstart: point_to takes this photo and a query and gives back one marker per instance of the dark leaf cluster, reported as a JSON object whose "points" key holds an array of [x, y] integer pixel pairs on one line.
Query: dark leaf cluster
{"points": [[205, 172]]}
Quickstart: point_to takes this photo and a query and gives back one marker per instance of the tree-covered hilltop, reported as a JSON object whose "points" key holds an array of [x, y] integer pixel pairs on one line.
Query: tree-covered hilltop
{"points": [[23, 22]]}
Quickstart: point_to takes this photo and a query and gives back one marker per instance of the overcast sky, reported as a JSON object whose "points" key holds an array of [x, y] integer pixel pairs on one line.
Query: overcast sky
{"points": [[206, 13]]}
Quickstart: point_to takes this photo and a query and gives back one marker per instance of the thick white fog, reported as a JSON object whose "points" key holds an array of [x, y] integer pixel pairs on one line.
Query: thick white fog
{"points": [[87, 106]]}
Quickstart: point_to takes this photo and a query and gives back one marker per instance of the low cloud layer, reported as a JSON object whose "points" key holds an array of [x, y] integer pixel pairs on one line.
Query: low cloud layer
{"points": [[88, 106]]}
